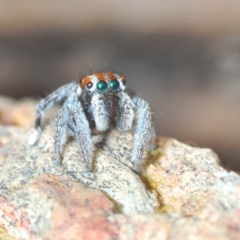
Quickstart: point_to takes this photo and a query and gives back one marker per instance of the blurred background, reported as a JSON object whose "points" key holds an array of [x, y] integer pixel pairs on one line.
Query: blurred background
{"points": [[183, 57]]}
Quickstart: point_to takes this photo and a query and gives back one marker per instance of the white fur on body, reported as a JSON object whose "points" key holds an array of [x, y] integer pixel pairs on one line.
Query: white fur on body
{"points": [[72, 119]]}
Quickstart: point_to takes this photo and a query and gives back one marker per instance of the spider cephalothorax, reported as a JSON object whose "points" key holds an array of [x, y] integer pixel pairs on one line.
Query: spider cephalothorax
{"points": [[97, 102]]}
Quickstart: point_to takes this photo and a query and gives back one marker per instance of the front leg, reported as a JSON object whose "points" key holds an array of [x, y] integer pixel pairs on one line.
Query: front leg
{"points": [[100, 113], [78, 126], [143, 133], [55, 97], [60, 134], [72, 120], [125, 112]]}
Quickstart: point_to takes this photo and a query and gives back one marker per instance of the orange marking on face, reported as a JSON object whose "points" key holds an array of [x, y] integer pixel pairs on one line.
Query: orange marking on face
{"points": [[100, 76], [85, 81], [123, 78], [111, 75]]}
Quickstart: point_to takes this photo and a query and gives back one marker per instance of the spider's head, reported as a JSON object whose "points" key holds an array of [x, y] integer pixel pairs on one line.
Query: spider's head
{"points": [[102, 83]]}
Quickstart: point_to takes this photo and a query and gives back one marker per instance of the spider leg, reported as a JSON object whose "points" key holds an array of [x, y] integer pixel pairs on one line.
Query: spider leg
{"points": [[125, 116], [72, 120], [60, 134], [144, 131], [100, 113], [47, 102]]}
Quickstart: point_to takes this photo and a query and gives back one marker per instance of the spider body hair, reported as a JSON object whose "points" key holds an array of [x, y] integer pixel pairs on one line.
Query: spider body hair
{"points": [[99, 101]]}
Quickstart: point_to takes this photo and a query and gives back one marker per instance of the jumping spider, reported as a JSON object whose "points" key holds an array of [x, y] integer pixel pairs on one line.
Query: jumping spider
{"points": [[97, 102]]}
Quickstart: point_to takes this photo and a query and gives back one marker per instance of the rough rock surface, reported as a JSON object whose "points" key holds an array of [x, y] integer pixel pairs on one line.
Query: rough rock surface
{"points": [[18, 113], [191, 181], [183, 194]]}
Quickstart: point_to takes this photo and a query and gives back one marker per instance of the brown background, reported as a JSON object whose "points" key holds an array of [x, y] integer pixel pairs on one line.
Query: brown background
{"points": [[181, 56]]}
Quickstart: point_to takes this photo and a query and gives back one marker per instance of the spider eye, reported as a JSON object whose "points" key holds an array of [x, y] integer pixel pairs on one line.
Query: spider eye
{"points": [[90, 84], [102, 86], [124, 82], [114, 84]]}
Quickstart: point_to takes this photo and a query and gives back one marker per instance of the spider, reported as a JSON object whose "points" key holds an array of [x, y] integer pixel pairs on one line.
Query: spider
{"points": [[99, 101]]}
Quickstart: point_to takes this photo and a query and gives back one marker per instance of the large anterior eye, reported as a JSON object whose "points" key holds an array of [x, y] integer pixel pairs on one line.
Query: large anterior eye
{"points": [[102, 86], [114, 84]]}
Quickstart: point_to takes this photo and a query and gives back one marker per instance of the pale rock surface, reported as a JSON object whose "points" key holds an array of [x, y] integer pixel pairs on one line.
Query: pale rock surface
{"points": [[14, 112], [183, 194], [191, 181], [23, 163]]}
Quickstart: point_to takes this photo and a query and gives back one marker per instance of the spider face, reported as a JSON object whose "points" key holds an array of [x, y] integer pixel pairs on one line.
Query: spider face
{"points": [[100, 95], [102, 83], [98, 101]]}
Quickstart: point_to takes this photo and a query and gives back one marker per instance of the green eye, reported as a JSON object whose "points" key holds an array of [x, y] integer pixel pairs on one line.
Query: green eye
{"points": [[114, 84], [102, 86]]}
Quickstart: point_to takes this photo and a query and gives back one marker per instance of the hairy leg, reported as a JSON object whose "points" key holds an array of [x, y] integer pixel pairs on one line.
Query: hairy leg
{"points": [[100, 113], [78, 125], [57, 96], [143, 132], [60, 134], [125, 116]]}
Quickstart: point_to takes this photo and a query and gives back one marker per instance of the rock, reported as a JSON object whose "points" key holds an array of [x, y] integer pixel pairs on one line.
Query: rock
{"points": [[184, 192], [190, 181], [24, 163], [19, 113], [58, 208]]}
